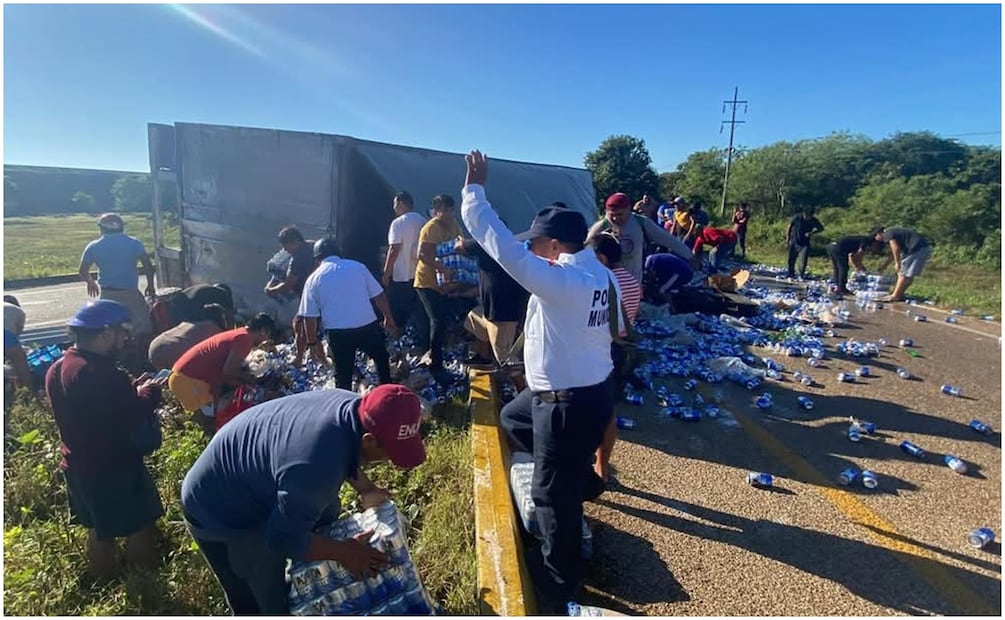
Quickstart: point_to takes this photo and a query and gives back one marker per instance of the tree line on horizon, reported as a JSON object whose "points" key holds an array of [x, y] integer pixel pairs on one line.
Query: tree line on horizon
{"points": [[948, 191]]}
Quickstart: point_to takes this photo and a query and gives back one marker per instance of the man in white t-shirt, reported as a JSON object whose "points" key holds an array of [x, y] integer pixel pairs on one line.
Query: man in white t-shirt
{"points": [[399, 267], [341, 294]]}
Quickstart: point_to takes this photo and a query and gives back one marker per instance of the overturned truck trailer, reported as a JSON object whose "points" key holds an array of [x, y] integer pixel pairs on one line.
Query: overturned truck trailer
{"points": [[237, 186]]}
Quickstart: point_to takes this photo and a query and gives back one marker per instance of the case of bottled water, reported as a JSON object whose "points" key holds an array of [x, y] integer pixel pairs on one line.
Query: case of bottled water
{"points": [[521, 473], [328, 589]]}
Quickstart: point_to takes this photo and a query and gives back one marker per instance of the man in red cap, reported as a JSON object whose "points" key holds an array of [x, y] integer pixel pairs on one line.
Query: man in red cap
{"points": [[633, 232], [271, 477]]}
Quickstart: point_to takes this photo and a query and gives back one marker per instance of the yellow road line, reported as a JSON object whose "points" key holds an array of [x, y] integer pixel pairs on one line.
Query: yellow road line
{"points": [[504, 587], [878, 529]]}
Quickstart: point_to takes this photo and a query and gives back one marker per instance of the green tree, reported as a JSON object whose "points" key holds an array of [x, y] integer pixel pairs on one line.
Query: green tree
{"points": [[702, 176], [668, 182], [918, 153], [83, 202], [133, 193], [622, 164]]}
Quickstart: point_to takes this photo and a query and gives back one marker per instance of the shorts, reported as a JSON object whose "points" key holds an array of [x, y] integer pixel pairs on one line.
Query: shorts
{"points": [[912, 264], [139, 309], [192, 394], [115, 503], [499, 334]]}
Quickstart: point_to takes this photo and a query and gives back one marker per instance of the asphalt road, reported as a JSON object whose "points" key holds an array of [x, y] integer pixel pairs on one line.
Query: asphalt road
{"points": [[685, 535], [51, 306]]}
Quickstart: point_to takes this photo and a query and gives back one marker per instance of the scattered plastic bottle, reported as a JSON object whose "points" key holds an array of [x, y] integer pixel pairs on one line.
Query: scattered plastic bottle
{"points": [[980, 427], [952, 320], [764, 401], [988, 317], [904, 373], [957, 312], [812, 362], [956, 464], [906, 342], [773, 374], [760, 479], [882, 342], [912, 449], [575, 609], [846, 377], [712, 411], [690, 414], [854, 435], [869, 479], [951, 390], [627, 424], [805, 403], [920, 318], [847, 476], [981, 537], [863, 426], [772, 364], [806, 380], [863, 371], [690, 384]]}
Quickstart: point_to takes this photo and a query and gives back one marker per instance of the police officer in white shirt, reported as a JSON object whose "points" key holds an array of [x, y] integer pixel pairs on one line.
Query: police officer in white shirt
{"points": [[562, 414], [340, 292]]}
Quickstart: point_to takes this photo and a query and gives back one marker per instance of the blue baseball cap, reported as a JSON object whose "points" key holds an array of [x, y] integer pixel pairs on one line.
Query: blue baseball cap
{"points": [[100, 314]]}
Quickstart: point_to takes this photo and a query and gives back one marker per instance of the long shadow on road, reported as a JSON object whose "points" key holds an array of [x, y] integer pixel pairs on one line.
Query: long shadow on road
{"points": [[869, 571]]}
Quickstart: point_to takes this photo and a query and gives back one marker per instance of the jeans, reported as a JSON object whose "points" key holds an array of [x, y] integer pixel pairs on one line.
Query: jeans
{"points": [[718, 252], [405, 307], [345, 342], [252, 576], [562, 436], [802, 252], [439, 310], [839, 261]]}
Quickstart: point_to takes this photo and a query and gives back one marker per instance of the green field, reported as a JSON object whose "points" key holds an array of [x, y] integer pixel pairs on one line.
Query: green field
{"points": [[51, 245], [44, 554]]}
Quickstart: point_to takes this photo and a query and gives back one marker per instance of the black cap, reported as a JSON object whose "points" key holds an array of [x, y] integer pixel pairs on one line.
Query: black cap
{"points": [[563, 225], [323, 248]]}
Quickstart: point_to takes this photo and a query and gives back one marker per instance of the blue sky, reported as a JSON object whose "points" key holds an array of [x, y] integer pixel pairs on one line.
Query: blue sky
{"points": [[536, 83]]}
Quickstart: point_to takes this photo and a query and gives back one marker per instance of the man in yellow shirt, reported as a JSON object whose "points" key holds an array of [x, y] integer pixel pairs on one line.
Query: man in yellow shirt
{"points": [[442, 227]]}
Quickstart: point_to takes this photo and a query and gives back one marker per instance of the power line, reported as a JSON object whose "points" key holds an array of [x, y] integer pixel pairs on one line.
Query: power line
{"points": [[729, 153]]}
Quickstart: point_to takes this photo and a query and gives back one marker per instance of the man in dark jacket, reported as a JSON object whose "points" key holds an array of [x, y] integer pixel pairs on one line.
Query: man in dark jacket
{"points": [[107, 424], [797, 238]]}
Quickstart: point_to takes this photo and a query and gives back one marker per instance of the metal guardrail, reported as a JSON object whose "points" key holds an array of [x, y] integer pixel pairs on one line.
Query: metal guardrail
{"points": [[43, 336]]}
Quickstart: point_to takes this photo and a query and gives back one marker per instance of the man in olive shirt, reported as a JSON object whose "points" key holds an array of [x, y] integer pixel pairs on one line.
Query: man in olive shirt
{"points": [[442, 227], [909, 251]]}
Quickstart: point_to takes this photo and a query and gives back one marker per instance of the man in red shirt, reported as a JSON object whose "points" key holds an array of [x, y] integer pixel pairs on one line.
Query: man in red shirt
{"points": [[106, 425], [211, 369], [722, 240]]}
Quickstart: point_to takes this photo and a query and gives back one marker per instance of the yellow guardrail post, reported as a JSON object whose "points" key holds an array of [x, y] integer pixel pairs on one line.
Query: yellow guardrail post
{"points": [[504, 587]]}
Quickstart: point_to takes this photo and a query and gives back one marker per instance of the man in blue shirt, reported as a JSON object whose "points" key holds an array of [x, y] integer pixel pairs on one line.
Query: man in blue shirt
{"points": [[115, 253], [271, 477]]}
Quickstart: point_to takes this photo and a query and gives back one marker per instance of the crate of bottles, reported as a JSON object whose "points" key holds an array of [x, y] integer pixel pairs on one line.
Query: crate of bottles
{"points": [[521, 475], [328, 589], [41, 358]]}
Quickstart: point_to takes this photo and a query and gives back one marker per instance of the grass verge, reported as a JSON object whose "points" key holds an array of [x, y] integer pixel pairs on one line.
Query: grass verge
{"points": [[44, 554], [51, 245]]}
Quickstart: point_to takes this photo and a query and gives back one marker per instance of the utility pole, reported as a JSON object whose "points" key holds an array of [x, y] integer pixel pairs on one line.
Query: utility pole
{"points": [[729, 153]]}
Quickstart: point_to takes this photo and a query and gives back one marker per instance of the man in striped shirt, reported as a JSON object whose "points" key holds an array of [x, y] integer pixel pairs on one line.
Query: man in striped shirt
{"points": [[608, 251]]}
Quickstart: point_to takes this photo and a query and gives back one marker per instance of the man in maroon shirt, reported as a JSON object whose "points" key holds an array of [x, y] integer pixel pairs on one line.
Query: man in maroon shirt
{"points": [[107, 425]]}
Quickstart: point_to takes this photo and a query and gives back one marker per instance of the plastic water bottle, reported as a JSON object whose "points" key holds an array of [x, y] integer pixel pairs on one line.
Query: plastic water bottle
{"points": [[980, 537], [921, 318], [863, 426], [863, 371], [882, 342], [869, 479], [980, 427], [846, 377], [760, 479], [764, 401], [812, 362], [690, 384], [957, 312], [951, 390], [853, 433], [847, 476], [904, 373], [805, 403], [626, 424], [689, 414], [952, 320], [712, 411], [906, 342], [912, 449], [956, 464]]}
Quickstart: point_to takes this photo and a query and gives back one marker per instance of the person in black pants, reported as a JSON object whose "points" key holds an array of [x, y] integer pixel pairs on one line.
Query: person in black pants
{"points": [[797, 237], [851, 247], [342, 294]]}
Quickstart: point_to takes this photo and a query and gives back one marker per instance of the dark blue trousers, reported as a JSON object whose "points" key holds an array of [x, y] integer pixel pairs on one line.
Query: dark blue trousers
{"points": [[562, 430]]}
